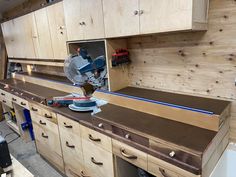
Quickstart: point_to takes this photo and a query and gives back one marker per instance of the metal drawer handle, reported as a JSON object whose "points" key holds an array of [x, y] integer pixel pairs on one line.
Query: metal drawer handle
{"points": [[47, 116], [82, 174], [95, 162], [13, 99], [42, 123], [67, 126], [23, 104], [70, 146], [128, 156], [94, 139], [4, 101], [34, 109], [163, 173], [3, 94], [44, 136]]}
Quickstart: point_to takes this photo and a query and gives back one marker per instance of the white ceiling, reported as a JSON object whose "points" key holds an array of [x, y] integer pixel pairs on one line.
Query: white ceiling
{"points": [[8, 4]]}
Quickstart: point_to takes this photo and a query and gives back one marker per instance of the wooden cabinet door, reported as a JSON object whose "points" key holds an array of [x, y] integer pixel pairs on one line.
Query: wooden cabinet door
{"points": [[73, 19], [121, 17], [9, 37], [165, 15], [57, 30], [92, 19], [44, 42]]}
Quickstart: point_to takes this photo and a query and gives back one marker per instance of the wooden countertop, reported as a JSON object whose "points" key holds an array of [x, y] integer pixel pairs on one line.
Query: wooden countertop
{"points": [[207, 104], [155, 127]]}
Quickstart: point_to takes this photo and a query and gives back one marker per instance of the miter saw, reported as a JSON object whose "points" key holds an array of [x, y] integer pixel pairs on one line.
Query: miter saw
{"points": [[87, 73]]}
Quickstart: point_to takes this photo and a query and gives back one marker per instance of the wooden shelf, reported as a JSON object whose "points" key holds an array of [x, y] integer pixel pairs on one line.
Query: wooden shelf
{"points": [[38, 62]]}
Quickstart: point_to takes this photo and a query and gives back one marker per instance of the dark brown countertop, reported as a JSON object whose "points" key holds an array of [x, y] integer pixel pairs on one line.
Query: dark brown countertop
{"points": [[33, 89], [170, 131], [207, 104]]}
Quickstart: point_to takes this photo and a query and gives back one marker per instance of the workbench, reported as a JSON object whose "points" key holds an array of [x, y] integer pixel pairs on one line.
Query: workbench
{"points": [[158, 145]]}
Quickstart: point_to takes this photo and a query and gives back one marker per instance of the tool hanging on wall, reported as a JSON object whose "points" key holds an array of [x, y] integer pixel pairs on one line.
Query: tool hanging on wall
{"points": [[120, 56]]}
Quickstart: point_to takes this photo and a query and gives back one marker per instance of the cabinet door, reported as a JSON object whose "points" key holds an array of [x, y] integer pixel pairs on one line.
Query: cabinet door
{"points": [[9, 37], [44, 42], [165, 15], [92, 15], [121, 17], [73, 19], [57, 30]]}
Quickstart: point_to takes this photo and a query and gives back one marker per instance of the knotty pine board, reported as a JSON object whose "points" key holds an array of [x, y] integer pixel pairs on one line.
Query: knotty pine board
{"points": [[201, 63]]}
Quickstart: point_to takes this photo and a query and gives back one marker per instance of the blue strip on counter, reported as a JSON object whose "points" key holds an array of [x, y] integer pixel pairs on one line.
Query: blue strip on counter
{"points": [[158, 102]]}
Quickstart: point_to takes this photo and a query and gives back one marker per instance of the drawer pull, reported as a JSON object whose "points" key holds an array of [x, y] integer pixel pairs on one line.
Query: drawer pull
{"points": [[44, 136], [127, 136], [70, 146], [3, 94], [94, 139], [42, 123], [47, 116], [4, 101], [163, 173], [100, 125], [34, 109], [172, 154], [82, 174], [67, 126], [13, 99], [95, 162], [128, 156], [23, 104]]}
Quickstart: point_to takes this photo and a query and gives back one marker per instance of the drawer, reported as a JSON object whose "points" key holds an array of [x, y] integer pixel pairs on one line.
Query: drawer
{"points": [[101, 124], [54, 158], [69, 126], [49, 115], [7, 102], [130, 154], [131, 136], [96, 138], [21, 102], [161, 168], [97, 161], [47, 133], [72, 153], [176, 154]]}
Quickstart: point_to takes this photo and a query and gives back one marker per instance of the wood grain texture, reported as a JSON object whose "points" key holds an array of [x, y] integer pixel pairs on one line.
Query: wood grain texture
{"points": [[201, 63]]}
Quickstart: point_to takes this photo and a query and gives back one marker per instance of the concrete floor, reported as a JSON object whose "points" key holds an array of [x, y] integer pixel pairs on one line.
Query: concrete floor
{"points": [[26, 154]]}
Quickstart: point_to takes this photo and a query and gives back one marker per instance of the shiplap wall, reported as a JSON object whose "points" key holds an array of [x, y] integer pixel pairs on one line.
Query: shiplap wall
{"points": [[193, 62]]}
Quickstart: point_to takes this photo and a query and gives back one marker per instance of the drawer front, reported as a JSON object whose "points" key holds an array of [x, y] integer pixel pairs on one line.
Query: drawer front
{"points": [[176, 154], [47, 133], [7, 102], [51, 116], [50, 155], [97, 161], [5, 95], [102, 125], [68, 125], [161, 168], [96, 138], [130, 154], [131, 136], [21, 102]]}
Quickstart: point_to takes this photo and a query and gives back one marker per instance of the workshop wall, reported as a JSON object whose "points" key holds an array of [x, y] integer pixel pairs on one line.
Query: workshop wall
{"points": [[194, 62]]}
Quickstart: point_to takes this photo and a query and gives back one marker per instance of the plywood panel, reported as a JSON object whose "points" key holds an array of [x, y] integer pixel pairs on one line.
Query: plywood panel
{"points": [[201, 63]]}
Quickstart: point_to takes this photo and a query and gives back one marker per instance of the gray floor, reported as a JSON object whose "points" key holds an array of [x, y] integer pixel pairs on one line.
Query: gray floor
{"points": [[26, 154]]}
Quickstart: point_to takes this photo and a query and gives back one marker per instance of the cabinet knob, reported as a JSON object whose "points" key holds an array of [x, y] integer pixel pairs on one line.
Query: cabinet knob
{"points": [[83, 23], [172, 154], [140, 12], [127, 136], [136, 12], [100, 125]]}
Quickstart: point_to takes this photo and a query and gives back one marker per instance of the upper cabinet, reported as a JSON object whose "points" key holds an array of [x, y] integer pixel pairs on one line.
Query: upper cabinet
{"points": [[126, 18], [18, 35], [38, 35], [84, 19], [121, 17]]}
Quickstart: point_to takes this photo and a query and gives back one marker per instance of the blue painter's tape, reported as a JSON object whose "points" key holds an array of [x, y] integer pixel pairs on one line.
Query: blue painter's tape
{"points": [[158, 102]]}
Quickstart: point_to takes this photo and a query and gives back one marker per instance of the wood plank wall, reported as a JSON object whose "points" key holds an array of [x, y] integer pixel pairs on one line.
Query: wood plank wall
{"points": [[195, 62]]}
